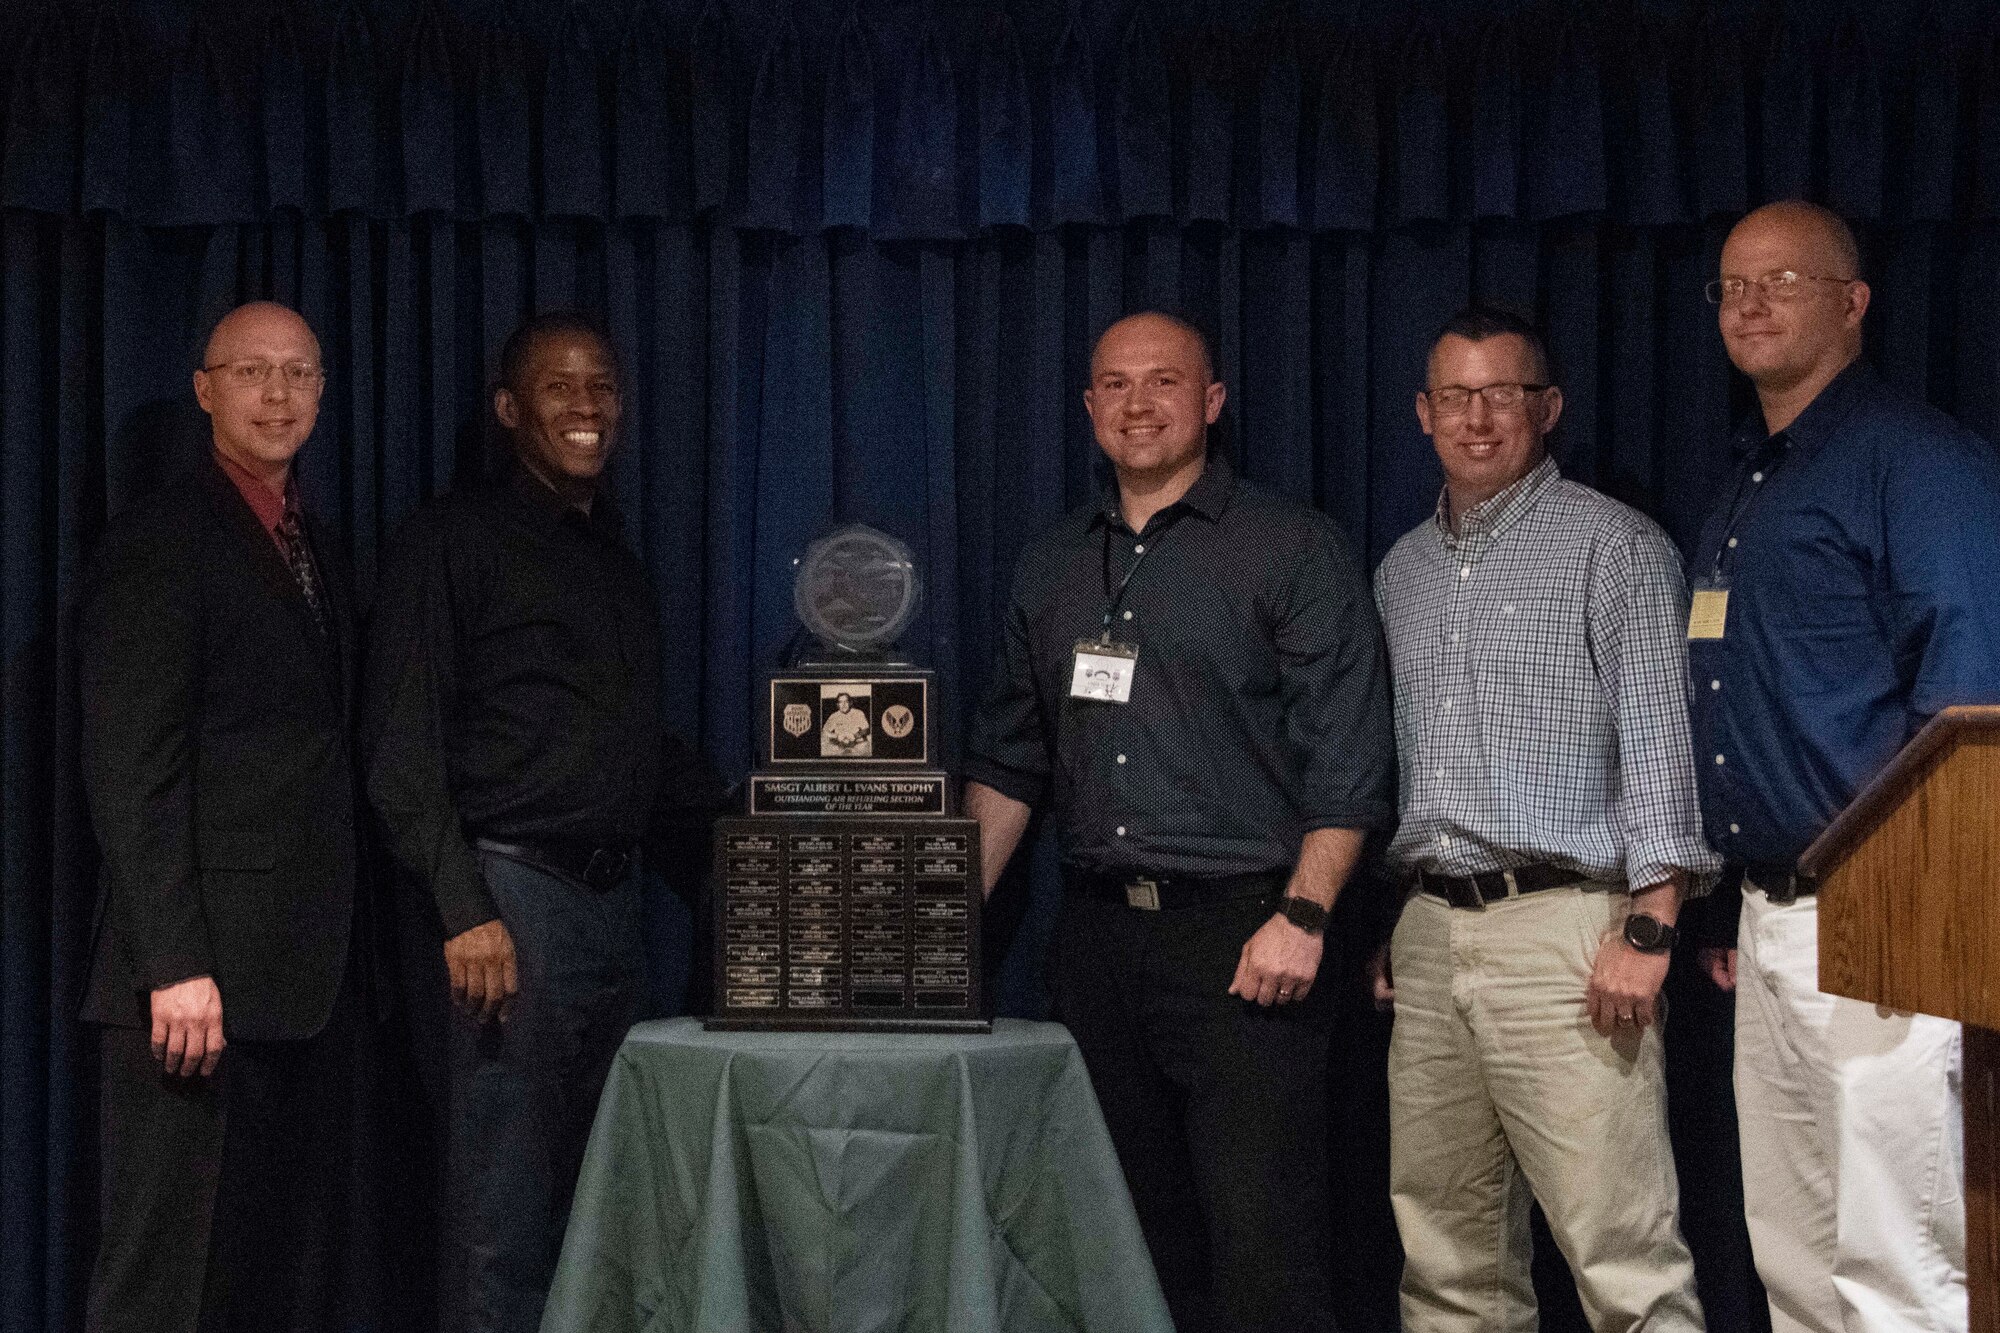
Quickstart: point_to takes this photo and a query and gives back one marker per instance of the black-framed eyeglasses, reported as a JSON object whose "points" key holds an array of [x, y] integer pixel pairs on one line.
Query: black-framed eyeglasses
{"points": [[1777, 287], [1451, 399], [256, 374]]}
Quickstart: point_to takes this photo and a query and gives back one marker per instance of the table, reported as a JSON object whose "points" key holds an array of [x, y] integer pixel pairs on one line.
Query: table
{"points": [[750, 1181]]}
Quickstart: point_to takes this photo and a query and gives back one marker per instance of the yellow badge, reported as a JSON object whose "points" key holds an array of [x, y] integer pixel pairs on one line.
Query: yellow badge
{"points": [[1709, 613]]}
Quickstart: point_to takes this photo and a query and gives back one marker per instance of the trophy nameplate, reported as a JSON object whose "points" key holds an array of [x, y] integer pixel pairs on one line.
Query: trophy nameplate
{"points": [[848, 896]]}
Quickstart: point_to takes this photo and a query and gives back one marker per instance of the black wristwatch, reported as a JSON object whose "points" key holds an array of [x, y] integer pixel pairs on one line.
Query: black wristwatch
{"points": [[1649, 934], [1304, 913]]}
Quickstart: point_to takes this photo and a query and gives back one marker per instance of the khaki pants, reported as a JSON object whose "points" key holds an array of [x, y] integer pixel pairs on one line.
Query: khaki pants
{"points": [[1499, 1086], [1853, 1183]]}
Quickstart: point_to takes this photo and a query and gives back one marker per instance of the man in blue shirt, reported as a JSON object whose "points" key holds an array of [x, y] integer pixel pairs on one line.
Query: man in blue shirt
{"points": [[1843, 594]]}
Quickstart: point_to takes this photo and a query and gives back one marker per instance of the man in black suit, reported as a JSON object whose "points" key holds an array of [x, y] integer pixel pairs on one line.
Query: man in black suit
{"points": [[216, 651]]}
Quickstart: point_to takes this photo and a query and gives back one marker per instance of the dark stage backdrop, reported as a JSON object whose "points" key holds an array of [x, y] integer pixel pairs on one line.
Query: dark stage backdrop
{"points": [[854, 256]]}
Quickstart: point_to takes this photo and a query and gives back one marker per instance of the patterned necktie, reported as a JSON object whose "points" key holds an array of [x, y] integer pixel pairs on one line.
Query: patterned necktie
{"points": [[292, 536]]}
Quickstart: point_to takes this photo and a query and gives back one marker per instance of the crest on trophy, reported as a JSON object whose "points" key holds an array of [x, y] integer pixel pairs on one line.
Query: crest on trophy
{"points": [[856, 590]]}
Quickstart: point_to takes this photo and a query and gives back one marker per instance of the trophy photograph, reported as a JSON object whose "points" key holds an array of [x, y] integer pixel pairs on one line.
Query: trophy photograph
{"points": [[847, 897]]}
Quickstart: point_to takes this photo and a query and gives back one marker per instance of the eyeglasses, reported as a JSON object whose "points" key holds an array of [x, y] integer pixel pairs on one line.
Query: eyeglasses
{"points": [[1452, 399], [256, 374], [1777, 288]]}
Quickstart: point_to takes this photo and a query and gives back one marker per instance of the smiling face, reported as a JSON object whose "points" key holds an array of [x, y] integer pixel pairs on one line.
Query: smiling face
{"points": [[1151, 399], [259, 427], [1485, 451], [1787, 345], [563, 414]]}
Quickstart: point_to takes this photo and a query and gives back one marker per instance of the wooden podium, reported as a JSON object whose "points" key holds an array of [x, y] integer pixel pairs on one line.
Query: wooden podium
{"points": [[1909, 918]]}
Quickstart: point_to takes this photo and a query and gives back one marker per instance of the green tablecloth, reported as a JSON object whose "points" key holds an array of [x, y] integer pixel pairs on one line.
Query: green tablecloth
{"points": [[739, 1182]]}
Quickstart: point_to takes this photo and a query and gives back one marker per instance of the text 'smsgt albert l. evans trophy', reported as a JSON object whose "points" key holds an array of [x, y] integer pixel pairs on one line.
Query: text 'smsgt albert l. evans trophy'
{"points": [[848, 897]]}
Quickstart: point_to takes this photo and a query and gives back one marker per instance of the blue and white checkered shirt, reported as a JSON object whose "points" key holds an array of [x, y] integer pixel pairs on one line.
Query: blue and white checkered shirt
{"points": [[1540, 668]]}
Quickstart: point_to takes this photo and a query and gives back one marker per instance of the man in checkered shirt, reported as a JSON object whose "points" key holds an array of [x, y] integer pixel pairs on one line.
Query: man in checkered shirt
{"points": [[1550, 833]]}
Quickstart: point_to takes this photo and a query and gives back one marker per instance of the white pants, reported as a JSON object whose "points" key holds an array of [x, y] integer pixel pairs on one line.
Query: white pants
{"points": [[1850, 1116]]}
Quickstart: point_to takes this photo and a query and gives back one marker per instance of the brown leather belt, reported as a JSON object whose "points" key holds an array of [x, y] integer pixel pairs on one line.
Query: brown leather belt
{"points": [[1473, 892]]}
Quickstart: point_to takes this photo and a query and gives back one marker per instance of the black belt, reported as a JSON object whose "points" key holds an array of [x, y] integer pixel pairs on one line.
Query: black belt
{"points": [[1781, 883], [600, 868], [1153, 893], [1473, 892]]}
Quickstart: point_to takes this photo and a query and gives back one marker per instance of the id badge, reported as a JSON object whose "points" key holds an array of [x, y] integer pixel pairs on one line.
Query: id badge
{"points": [[1103, 671], [1708, 613]]}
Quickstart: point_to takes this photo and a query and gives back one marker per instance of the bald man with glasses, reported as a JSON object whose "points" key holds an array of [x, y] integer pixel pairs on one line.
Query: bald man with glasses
{"points": [[1844, 594]]}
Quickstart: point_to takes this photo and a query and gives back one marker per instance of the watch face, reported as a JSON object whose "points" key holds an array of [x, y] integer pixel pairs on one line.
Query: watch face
{"points": [[1643, 932]]}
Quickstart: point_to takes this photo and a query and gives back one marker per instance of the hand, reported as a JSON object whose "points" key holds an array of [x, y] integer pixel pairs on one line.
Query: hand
{"points": [[187, 1027], [1719, 965], [1278, 964], [1624, 986], [481, 963], [1382, 983]]}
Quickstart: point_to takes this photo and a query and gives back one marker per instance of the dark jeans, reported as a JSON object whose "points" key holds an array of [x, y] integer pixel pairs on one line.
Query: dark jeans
{"points": [[233, 1203], [518, 1098], [1217, 1108]]}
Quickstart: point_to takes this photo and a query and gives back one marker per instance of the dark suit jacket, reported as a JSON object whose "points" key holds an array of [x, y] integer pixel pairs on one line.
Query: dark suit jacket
{"points": [[218, 763]]}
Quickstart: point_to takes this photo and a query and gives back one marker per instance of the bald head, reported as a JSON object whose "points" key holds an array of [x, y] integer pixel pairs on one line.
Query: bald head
{"points": [[260, 383], [1159, 323], [1794, 320], [255, 322], [1811, 231]]}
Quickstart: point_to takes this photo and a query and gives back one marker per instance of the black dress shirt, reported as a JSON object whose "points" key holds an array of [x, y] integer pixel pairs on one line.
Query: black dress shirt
{"points": [[1260, 706], [513, 686]]}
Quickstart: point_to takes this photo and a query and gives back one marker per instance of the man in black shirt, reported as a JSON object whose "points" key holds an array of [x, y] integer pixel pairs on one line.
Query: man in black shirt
{"points": [[1192, 676], [514, 752]]}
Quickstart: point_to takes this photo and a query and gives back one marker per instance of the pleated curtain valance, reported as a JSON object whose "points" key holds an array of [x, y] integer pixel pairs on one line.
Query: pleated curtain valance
{"points": [[938, 121]]}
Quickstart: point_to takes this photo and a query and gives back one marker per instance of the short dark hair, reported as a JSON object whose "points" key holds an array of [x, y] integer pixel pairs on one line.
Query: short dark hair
{"points": [[1477, 323], [521, 342], [1184, 322]]}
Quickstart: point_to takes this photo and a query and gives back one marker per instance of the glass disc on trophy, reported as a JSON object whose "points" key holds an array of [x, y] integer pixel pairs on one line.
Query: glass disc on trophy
{"points": [[856, 589]]}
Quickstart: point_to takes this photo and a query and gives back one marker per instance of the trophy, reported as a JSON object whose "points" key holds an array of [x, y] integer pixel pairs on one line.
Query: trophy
{"points": [[849, 893]]}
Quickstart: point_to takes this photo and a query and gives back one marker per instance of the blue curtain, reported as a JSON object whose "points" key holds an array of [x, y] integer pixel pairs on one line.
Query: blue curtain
{"points": [[854, 255]]}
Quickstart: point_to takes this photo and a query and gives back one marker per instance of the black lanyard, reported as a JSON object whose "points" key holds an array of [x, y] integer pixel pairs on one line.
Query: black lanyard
{"points": [[1116, 598], [1766, 461]]}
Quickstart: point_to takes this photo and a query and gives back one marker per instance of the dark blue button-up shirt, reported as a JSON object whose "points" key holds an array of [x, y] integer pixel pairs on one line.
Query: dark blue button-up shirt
{"points": [[1861, 548]]}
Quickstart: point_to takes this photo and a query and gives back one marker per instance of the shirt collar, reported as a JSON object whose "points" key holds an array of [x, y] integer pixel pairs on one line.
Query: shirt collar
{"points": [[1209, 496], [1821, 418], [540, 499], [267, 504], [1498, 512]]}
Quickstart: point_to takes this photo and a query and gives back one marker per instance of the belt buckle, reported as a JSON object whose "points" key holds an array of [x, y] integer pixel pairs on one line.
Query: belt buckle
{"points": [[1143, 894], [1462, 892], [606, 868]]}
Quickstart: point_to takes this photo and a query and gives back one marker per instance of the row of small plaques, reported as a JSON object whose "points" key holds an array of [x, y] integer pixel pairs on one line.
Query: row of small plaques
{"points": [[874, 921]]}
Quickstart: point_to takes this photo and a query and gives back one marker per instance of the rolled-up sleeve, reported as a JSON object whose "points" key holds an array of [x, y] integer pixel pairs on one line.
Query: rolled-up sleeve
{"points": [[1335, 689], [1638, 636], [1008, 749]]}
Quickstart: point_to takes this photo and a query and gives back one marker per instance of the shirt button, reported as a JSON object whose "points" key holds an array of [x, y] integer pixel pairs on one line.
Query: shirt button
{"points": [[1757, 477], [1440, 774], [1444, 839], [1715, 684], [1465, 571], [1139, 548], [1735, 828], [1732, 543], [1128, 615], [1121, 830], [1508, 608], [1718, 759], [1456, 636], [1121, 758], [1447, 705]]}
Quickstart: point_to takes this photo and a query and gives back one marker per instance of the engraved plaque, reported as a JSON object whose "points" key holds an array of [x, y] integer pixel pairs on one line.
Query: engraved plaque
{"points": [[862, 923]]}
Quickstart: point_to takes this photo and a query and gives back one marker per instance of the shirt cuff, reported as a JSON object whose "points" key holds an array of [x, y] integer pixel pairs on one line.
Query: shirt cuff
{"points": [[1367, 817], [462, 898], [1027, 788]]}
